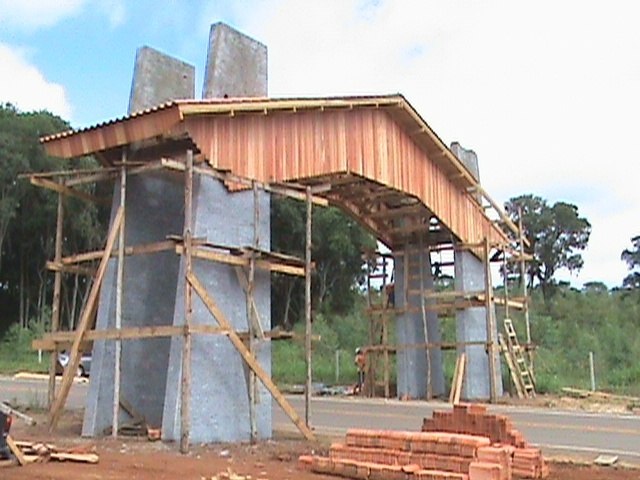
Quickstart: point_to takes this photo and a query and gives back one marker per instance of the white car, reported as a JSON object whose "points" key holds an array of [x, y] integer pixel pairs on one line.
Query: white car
{"points": [[84, 369]]}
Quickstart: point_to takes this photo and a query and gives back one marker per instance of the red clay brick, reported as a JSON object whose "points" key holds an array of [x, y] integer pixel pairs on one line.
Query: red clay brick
{"points": [[485, 471]]}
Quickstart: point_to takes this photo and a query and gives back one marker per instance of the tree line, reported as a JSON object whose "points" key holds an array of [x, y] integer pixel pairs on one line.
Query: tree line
{"points": [[556, 232]]}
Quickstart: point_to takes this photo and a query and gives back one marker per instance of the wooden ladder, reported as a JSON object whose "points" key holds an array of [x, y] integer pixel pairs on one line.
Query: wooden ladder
{"points": [[514, 354]]}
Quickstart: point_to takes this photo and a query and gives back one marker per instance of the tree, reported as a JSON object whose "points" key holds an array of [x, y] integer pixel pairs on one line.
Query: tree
{"points": [[337, 246], [28, 219], [632, 258], [556, 234]]}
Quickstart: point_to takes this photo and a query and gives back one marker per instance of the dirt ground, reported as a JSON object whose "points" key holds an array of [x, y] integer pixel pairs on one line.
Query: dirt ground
{"points": [[137, 459]]}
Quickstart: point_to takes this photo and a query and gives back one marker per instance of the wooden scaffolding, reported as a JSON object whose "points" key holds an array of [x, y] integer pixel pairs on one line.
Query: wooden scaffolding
{"points": [[381, 310], [245, 259]]}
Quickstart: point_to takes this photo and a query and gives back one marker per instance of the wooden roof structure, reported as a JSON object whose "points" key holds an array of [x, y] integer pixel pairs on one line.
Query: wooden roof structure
{"points": [[380, 160]]}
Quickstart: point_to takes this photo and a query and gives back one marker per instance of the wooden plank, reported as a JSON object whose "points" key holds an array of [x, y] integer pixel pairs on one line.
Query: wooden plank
{"points": [[83, 326], [7, 410], [75, 269], [205, 254], [16, 451], [55, 306], [248, 358], [119, 300], [185, 388], [64, 190], [460, 378], [75, 457], [112, 173], [491, 326], [141, 249], [307, 310], [252, 307]]}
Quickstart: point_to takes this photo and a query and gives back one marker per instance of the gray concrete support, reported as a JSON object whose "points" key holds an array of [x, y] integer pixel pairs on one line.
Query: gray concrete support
{"points": [[236, 65], [153, 210], [159, 78], [220, 386], [153, 206], [471, 323], [411, 364]]}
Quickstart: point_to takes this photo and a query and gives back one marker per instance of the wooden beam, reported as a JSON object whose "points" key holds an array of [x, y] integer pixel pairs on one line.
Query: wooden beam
{"points": [[185, 390], [55, 307], [132, 250], [307, 311], [206, 254], [491, 327], [62, 268], [57, 187], [83, 326], [248, 358], [111, 173]]}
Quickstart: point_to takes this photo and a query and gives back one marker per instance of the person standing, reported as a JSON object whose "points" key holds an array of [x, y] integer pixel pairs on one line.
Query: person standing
{"points": [[361, 364]]}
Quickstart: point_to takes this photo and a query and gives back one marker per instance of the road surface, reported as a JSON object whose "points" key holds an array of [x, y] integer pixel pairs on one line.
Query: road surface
{"points": [[558, 432]]}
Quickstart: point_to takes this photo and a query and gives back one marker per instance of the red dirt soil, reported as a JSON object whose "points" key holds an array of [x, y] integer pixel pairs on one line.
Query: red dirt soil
{"points": [[138, 459]]}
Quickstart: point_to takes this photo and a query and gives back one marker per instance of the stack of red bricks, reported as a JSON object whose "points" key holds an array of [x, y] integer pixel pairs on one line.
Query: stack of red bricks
{"points": [[469, 445], [472, 419]]}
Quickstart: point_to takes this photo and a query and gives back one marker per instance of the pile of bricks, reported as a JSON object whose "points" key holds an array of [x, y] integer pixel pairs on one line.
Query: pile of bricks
{"points": [[473, 419], [457, 452]]}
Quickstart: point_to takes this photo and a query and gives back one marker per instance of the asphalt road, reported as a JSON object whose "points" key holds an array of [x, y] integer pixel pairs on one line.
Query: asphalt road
{"points": [[558, 432]]}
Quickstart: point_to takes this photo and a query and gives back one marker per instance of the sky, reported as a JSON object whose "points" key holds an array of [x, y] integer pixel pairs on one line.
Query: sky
{"points": [[547, 93]]}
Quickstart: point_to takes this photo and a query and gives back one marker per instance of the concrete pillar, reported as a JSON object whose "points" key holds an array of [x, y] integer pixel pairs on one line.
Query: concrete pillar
{"points": [[411, 364], [154, 209], [159, 78], [219, 389], [471, 323], [236, 66]]}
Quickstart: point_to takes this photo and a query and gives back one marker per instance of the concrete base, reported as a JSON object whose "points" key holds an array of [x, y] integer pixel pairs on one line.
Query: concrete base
{"points": [[154, 201], [411, 364], [471, 326], [220, 378]]}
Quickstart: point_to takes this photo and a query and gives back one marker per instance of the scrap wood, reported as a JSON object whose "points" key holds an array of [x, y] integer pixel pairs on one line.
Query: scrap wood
{"points": [[577, 392], [37, 452], [16, 451]]}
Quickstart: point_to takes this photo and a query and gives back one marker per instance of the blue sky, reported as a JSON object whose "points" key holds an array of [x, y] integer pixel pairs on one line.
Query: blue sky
{"points": [[546, 93]]}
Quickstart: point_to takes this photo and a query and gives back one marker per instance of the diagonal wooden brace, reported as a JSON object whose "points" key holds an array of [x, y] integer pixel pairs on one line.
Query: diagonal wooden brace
{"points": [[248, 356], [84, 325]]}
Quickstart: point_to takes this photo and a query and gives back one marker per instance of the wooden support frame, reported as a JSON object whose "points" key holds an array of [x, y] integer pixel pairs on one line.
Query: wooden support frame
{"points": [[64, 190], [55, 307], [119, 299], [307, 308], [249, 359], [85, 321], [185, 391], [491, 327]]}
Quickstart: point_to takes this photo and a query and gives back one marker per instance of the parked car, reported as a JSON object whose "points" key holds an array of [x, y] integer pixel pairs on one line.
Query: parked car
{"points": [[84, 369], [5, 426]]}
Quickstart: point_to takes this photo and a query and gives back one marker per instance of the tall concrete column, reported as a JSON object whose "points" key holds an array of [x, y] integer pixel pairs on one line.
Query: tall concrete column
{"points": [[154, 204], [471, 323], [411, 364], [220, 408]]}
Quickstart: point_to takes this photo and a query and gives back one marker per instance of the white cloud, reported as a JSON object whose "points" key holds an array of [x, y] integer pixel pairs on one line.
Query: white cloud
{"points": [[23, 85], [34, 14], [114, 10], [546, 93]]}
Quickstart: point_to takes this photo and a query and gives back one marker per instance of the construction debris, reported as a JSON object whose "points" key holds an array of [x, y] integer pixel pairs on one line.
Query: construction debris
{"points": [[474, 446], [37, 452]]}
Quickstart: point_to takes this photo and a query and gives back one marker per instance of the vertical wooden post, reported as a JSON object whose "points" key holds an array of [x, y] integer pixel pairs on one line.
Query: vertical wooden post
{"points": [[55, 308], [185, 393], [307, 308], [119, 287], [251, 317], [525, 293], [491, 340], [423, 311]]}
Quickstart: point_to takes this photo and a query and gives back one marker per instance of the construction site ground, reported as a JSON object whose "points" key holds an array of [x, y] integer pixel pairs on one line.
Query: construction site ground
{"points": [[129, 458]]}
